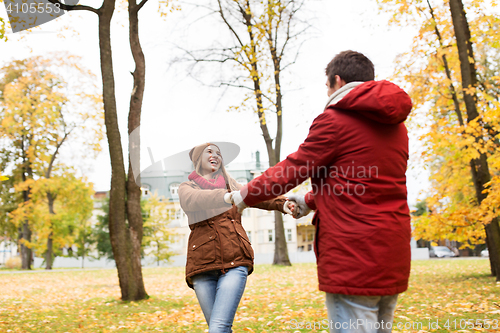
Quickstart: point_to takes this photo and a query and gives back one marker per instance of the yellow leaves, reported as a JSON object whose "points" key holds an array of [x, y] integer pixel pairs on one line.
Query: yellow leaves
{"points": [[35, 110], [470, 90], [166, 7], [3, 178], [438, 99], [261, 31], [262, 119], [2, 30], [87, 301], [72, 206]]}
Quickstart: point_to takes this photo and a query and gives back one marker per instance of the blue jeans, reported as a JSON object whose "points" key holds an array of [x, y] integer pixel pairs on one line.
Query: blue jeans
{"points": [[360, 314], [219, 295]]}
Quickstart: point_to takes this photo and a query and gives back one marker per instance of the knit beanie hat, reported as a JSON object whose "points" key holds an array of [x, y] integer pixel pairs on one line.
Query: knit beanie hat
{"points": [[196, 152]]}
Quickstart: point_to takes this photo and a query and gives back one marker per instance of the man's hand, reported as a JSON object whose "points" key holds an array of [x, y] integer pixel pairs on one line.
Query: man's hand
{"points": [[301, 208], [237, 200]]}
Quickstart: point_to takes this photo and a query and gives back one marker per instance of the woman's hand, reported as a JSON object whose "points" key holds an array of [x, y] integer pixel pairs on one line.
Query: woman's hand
{"points": [[301, 208], [237, 200], [228, 198], [289, 207]]}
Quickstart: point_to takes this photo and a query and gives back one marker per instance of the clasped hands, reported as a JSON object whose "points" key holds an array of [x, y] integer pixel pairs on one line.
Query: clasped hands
{"points": [[295, 204]]}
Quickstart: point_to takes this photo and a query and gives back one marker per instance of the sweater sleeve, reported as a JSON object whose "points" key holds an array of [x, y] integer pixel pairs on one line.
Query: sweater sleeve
{"points": [[195, 199], [313, 155], [309, 199], [273, 204]]}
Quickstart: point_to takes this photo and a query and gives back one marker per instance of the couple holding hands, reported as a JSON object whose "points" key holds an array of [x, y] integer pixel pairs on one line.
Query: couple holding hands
{"points": [[362, 242]]}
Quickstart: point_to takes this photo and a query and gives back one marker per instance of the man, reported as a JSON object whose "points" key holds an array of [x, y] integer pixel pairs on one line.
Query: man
{"points": [[356, 155]]}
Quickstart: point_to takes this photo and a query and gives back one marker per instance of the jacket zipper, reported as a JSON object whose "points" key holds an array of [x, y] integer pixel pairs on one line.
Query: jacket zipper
{"points": [[241, 239], [223, 270]]}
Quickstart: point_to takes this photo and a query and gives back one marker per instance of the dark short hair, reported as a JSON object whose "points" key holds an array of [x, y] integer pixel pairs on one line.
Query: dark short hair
{"points": [[350, 66]]}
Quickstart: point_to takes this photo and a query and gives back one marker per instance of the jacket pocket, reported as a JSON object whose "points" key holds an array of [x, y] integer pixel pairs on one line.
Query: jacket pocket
{"points": [[245, 243], [202, 249]]}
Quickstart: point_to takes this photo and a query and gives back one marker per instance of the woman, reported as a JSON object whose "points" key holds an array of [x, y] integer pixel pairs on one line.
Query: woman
{"points": [[220, 256]]}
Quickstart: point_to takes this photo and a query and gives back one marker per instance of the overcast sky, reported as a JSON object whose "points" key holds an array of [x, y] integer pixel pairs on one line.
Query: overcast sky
{"points": [[179, 112]]}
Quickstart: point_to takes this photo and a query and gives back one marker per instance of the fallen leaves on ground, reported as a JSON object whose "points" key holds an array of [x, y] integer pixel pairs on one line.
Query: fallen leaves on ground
{"points": [[276, 299]]}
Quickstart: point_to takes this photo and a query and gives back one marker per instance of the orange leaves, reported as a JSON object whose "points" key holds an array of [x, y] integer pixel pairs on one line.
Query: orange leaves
{"points": [[43, 102], [431, 70], [166, 7], [2, 30], [275, 298]]}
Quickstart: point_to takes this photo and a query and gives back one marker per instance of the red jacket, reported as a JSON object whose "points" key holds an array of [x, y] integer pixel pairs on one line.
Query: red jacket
{"points": [[356, 154]]}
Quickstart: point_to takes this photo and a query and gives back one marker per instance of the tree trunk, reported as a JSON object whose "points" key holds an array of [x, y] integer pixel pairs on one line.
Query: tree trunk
{"points": [[280, 247], [131, 283], [84, 241], [492, 264], [479, 166], [124, 197], [492, 240], [26, 252], [49, 253], [134, 213]]}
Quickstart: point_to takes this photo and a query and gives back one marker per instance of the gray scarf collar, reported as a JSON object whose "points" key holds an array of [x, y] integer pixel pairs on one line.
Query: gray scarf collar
{"points": [[341, 93]]}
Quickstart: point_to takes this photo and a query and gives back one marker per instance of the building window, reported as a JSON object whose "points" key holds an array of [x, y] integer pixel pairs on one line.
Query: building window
{"points": [[260, 234], [174, 189], [310, 235], [178, 214], [146, 191], [249, 235], [270, 235], [288, 235]]}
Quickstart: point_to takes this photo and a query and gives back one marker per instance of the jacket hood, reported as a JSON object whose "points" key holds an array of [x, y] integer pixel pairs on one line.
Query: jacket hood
{"points": [[381, 101]]}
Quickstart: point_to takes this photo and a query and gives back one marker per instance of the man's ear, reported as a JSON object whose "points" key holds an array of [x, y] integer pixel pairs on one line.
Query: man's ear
{"points": [[339, 81]]}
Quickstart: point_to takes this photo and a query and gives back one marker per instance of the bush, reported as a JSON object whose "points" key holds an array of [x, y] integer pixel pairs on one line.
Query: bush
{"points": [[13, 263]]}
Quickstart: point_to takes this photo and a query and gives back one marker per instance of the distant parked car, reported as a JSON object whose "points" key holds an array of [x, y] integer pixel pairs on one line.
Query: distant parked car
{"points": [[441, 252], [485, 253]]}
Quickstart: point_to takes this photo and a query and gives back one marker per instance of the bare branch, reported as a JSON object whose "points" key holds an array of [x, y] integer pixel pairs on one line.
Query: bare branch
{"points": [[77, 7], [221, 11], [235, 86], [53, 157], [141, 4]]}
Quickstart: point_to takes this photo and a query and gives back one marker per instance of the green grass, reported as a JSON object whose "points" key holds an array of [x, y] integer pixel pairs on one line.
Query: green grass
{"points": [[275, 298]]}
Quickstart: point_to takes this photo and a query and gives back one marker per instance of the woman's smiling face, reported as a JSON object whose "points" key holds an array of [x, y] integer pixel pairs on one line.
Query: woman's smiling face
{"points": [[211, 160]]}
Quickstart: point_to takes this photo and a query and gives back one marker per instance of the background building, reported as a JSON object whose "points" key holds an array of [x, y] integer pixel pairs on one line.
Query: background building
{"points": [[259, 224]]}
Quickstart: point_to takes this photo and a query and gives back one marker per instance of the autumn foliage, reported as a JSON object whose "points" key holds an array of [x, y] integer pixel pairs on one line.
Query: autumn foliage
{"points": [[46, 103], [431, 73], [275, 300]]}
